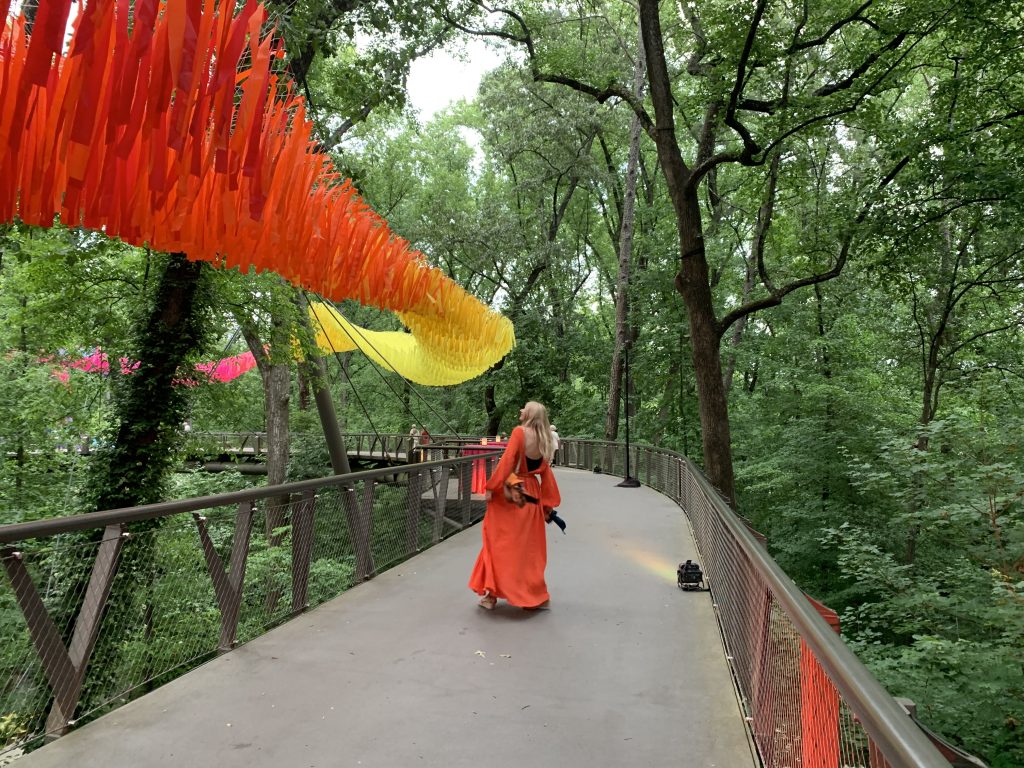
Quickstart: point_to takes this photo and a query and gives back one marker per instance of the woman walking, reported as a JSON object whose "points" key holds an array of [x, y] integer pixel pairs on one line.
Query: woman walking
{"points": [[520, 496]]}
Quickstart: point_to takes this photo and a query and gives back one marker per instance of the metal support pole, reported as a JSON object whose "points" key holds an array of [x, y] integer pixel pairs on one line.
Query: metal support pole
{"points": [[329, 419]]}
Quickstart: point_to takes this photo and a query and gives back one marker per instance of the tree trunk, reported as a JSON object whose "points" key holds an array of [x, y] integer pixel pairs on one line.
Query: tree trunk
{"points": [[273, 363], [672, 380], [19, 453], [494, 414], [693, 280], [152, 408], [314, 368], [275, 371], [737, 331], [624, 333], [692, 284], [826, 373]]}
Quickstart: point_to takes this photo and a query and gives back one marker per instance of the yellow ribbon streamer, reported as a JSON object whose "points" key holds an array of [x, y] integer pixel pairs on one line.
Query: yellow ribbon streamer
{"points": [[458, 344]]}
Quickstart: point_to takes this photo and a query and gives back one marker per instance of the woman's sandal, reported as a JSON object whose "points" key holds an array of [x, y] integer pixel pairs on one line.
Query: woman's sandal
{"points": [[488, 601]]}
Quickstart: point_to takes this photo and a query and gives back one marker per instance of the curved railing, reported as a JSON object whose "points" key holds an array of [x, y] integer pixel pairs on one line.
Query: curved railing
{"points": [[385, 445], [97, 608], [808, 699], [147, 592]]}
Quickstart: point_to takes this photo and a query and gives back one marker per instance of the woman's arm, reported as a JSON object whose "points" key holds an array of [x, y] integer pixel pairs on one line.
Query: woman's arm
{"points": [[509, 460], [549, 494]]}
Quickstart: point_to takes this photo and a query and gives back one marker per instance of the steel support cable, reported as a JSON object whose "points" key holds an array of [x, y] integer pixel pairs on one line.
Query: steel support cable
{"points": [[355, 392], [411, 385], [383, 357]]}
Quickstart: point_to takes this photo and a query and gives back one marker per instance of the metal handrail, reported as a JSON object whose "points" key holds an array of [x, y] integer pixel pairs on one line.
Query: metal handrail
{"points": [[327, 534], [35, 529], [879, 713], [892, 733], [883, 719]]}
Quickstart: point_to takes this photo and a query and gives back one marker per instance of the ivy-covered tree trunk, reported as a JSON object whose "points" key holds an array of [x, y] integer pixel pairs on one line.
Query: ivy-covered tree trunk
{"points": [[150, 408], [133, 469]]}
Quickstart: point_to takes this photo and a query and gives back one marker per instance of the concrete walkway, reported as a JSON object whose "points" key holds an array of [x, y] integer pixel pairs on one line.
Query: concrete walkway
{"points": [[625, 669]]}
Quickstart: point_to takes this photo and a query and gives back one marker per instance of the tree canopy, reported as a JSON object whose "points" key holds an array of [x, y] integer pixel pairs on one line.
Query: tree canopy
{"points": [[819, 283]]}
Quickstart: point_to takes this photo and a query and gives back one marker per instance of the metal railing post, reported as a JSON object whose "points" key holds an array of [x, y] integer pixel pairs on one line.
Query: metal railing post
{"points": [[65, 667], [228, 582]]}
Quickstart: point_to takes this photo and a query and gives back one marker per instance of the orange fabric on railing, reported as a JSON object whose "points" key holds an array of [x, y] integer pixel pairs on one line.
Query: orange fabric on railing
{"points": [[169, 126]]}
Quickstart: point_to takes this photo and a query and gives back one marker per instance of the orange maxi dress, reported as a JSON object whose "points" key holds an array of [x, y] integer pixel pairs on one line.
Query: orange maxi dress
{"points": [[514, 554]]}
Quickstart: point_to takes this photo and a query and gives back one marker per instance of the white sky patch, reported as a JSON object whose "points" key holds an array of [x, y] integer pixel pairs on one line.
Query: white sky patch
{"points": [[445, 76]]}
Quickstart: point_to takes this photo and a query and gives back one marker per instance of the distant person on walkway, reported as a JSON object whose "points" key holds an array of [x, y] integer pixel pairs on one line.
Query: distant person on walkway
{"points": [[424, 437], [555, 440], [414, 444], [521, 493]]}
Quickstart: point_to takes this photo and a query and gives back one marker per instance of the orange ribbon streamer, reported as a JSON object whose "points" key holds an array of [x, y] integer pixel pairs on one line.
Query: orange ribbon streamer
{"points": [[168, 126]]}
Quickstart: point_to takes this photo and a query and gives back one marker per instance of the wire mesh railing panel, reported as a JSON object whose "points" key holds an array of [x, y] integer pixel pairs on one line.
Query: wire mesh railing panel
{"points": [[332, 557], [792, 703], [90, 619], [59, 571], [389, 542], [268, 584], [161, 615]]}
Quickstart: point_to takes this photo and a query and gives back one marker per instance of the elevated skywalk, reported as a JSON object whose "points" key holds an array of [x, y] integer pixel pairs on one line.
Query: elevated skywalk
{"points": [[624, 669]]}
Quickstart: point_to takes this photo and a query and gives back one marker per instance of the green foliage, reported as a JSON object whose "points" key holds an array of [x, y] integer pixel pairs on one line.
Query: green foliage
{"points": [[903, 517], [918, 550], [354, 57], [13, 728]]}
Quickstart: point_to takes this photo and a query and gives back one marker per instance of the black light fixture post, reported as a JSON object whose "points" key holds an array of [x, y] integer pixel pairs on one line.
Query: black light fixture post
{"points": [[629, 481]]}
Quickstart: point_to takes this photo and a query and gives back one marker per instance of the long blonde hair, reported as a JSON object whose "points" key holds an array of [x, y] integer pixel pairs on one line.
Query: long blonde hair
{"points": [[536, 418]]}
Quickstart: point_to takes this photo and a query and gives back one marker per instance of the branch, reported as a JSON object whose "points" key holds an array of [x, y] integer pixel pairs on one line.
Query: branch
{"points": [[980, 335], [775, 298], [526, 40], [750, 147], [349, 123], [601, 95], [1000, 120], [706, 140], [848, 82], [764, 222], [663, 132], [252, 340], [613, 173], [758, 105], [855, 16], [694, 65]]}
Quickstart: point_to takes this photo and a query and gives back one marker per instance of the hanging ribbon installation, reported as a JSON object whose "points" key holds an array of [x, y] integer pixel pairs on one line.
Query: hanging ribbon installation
{"points": [[167, 124]]}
